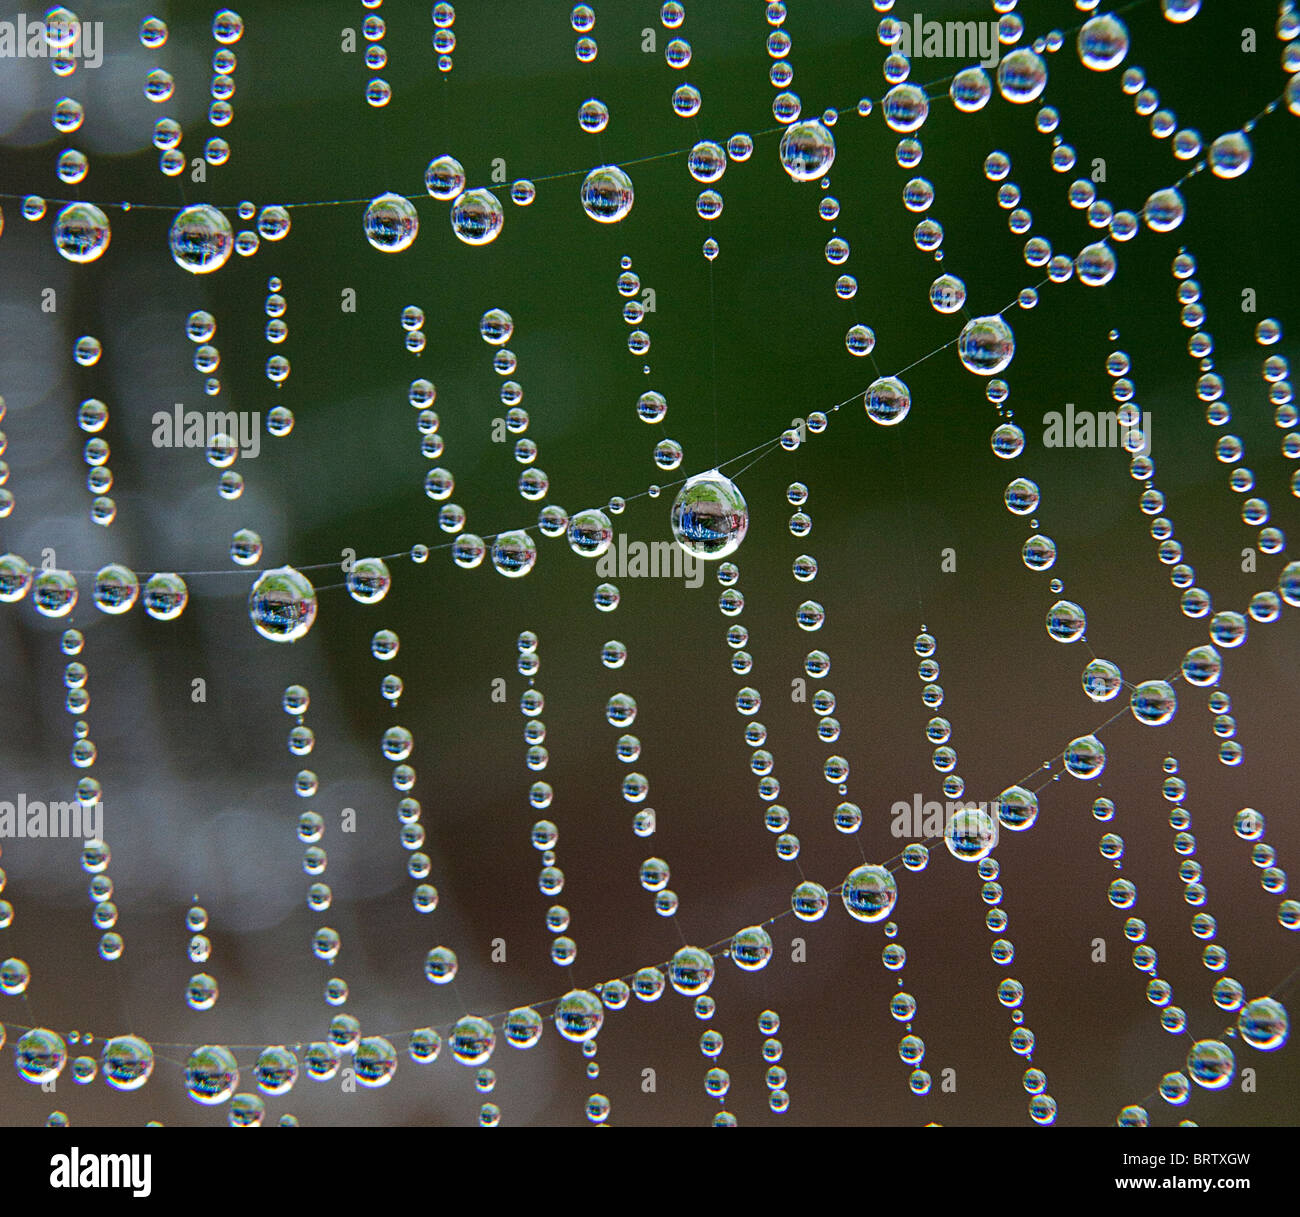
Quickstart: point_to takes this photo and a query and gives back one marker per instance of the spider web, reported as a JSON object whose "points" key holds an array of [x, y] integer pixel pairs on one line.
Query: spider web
{"points": [[908, 528]]}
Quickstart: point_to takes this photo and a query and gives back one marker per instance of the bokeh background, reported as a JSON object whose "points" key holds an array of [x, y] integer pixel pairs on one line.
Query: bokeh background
{"points": [[199, 799]]}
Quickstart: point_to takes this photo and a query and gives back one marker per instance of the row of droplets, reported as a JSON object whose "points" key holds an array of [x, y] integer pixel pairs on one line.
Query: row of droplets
{"points": [[160, 87], [374, 29]]}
